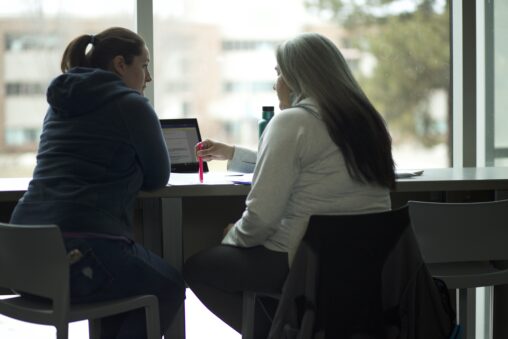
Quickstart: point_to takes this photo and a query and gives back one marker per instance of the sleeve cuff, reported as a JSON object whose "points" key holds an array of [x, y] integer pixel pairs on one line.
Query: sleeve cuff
{"points": [[243, 161]]}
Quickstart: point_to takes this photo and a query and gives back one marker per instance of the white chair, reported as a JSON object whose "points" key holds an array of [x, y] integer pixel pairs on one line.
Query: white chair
{"points": [[33, 260], [461, 242]]}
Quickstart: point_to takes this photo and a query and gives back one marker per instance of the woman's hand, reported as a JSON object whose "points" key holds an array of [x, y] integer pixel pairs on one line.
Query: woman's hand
{"points": [[214, 150]]}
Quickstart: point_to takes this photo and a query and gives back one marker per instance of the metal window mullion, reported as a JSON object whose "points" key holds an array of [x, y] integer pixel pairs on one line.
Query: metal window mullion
{"points": [[144, 27], [456, 83], [490, 150], [469, 83]]}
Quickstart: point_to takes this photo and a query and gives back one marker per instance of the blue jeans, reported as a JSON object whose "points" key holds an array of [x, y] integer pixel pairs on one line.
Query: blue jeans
{"points": [[106, 269]]}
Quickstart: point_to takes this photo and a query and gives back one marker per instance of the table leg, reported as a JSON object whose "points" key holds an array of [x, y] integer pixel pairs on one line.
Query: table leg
{"points": [[172, 252]]}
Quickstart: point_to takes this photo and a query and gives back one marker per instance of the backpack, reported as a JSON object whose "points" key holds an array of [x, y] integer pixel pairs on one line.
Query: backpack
{"points": [[444, 293]]}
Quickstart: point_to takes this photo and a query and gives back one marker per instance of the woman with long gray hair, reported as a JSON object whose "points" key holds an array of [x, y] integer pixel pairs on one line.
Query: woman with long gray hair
{"points": [[327, 152]]}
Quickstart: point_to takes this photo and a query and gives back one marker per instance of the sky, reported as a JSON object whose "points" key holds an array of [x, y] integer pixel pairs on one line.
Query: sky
{"points": [[84, 8], [201, 8], [231, 15], [232, 12]]}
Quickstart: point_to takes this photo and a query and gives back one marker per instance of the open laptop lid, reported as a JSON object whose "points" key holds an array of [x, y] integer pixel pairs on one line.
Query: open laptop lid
{"points": [[181, 135]]}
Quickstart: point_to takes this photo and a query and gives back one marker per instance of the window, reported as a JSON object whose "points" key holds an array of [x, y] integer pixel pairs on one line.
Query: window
{"points": [[496, 85], [250, 87], [248, 45], [22, 136], [398, 50], [25, 88], [34, 35], [25, 41]]}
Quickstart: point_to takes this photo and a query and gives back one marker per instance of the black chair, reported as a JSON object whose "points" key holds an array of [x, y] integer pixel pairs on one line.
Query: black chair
{"points": [[33, 260], [360, 276]]}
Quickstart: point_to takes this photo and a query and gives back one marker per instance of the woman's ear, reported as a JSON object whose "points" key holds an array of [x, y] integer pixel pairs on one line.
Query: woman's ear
{"points": [[119, 65]]}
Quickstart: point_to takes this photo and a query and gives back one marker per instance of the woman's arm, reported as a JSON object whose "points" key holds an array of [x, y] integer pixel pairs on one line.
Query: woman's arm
{"points": [[243, 161], [274, 176], [148, 141], [240, 159]]}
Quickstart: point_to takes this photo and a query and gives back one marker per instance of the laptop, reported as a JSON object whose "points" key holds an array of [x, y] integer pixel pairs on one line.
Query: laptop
{"points": [[181, 135]]}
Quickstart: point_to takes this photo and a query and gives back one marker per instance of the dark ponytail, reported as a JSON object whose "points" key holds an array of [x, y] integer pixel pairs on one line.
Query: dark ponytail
{"points": [[104, 47], [75, 53]]}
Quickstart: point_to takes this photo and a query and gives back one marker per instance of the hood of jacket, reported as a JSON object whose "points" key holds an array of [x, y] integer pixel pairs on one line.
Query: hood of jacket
{"points": [[82, 90]]}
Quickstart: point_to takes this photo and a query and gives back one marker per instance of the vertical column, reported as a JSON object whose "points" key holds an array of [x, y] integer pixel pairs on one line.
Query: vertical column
{"points": [[488, 90], [172, 252], [144, 27], [469, 83], [163, 234]]}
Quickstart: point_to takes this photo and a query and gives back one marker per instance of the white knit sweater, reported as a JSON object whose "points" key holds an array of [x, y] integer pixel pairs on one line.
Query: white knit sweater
{"points": [[299, 172]]}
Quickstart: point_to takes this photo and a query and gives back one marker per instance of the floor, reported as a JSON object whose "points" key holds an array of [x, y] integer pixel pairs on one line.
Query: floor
{"points": [[200, 323]]}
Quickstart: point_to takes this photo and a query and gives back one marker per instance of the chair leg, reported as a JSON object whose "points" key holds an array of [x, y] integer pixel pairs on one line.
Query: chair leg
{"points": [[177, 328], [62, 331], [94, 328], [308, 320], [466, 299], [248, 314], [489, 310], [152, 321]]}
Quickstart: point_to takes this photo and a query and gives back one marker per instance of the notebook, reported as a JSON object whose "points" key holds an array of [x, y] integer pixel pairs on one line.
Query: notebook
{"points": [[181, 135], [406, 173]]}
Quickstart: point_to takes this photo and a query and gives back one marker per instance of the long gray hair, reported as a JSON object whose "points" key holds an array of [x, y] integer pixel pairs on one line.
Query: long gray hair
{"points": [[312, 66]]}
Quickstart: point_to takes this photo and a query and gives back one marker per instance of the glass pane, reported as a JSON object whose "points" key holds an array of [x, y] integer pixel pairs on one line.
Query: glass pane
{"points": [[215, 61], [33, 36], [500, 74]]}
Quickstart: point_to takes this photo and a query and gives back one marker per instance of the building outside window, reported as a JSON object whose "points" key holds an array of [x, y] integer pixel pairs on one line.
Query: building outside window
{"points": [[33, 36]]}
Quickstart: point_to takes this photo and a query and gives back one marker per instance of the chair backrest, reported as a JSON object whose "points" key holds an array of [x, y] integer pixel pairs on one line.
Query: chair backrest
{"points": [[33, 260], [352, 251], [461, 232], [360, 276], [383, 226]]}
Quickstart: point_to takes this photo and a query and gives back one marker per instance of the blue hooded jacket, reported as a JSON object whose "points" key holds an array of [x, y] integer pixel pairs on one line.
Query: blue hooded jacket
{"points": [[101, 143]]}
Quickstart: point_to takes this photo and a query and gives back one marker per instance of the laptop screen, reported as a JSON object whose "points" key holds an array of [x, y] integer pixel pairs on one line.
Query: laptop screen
{"points": [[181, 135]]}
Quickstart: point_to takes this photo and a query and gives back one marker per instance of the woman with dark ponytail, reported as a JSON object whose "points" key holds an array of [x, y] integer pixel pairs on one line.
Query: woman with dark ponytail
{"points": [[101, 143]]}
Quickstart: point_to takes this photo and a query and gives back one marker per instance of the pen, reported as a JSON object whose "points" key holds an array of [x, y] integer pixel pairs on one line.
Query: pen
{"points": [[200, 160]]}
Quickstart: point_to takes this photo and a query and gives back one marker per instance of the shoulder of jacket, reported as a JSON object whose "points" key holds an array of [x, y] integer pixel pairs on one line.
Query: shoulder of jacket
{"points": [[296, 116]]}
